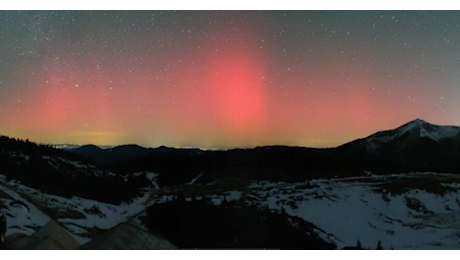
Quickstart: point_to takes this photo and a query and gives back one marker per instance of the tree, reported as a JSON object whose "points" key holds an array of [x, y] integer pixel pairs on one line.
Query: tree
{"points": [[224, 202], [283, 211], [181, 196], [379, 246], [359, 245], [193, 197], [2, 227], [175, 197]]}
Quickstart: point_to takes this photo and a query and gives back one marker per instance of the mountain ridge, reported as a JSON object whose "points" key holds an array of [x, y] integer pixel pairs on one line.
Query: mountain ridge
{"points": [[451, 130], [414, 146]]}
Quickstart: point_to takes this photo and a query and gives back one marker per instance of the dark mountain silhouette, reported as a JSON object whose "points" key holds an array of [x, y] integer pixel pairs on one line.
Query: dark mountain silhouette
{"points": [[107, 157], [415, 146], [88, 150], [118, 156]]}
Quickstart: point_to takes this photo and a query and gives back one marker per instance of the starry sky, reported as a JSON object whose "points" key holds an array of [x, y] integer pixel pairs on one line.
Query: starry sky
{"points": [[213, 79]]}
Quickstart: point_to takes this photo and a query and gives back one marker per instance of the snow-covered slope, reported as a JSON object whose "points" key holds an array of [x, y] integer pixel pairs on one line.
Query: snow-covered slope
{"points": [[403, 211], [370, 209], [80, 216], [22, 216]]}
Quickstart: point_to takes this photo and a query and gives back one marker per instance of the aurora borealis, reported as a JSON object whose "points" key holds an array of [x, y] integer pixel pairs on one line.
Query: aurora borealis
{"points": [[225, 78]]}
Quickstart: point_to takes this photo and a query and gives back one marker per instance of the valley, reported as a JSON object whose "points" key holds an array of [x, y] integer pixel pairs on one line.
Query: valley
{"points": [[345, 210]]}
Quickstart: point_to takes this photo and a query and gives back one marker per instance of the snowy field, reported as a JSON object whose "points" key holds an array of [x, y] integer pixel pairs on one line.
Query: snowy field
{"points": [[360, 209]]}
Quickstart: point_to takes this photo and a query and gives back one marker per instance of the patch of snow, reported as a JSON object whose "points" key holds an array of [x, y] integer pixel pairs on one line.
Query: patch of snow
{"points": [[233, 195], [22, 216], [78, 233], [109, 216], [136, 221], [195, 179], [229, 196], [263, 184], [151, 176], [77, 164]]}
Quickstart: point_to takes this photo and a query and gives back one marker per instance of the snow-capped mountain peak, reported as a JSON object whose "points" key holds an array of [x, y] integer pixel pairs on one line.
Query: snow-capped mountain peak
{"points": [[415, 123], [420, 128], [414, 130]]}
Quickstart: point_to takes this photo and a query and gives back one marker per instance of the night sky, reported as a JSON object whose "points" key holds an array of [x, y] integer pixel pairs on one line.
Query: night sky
{"points": [[225, 79]]}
